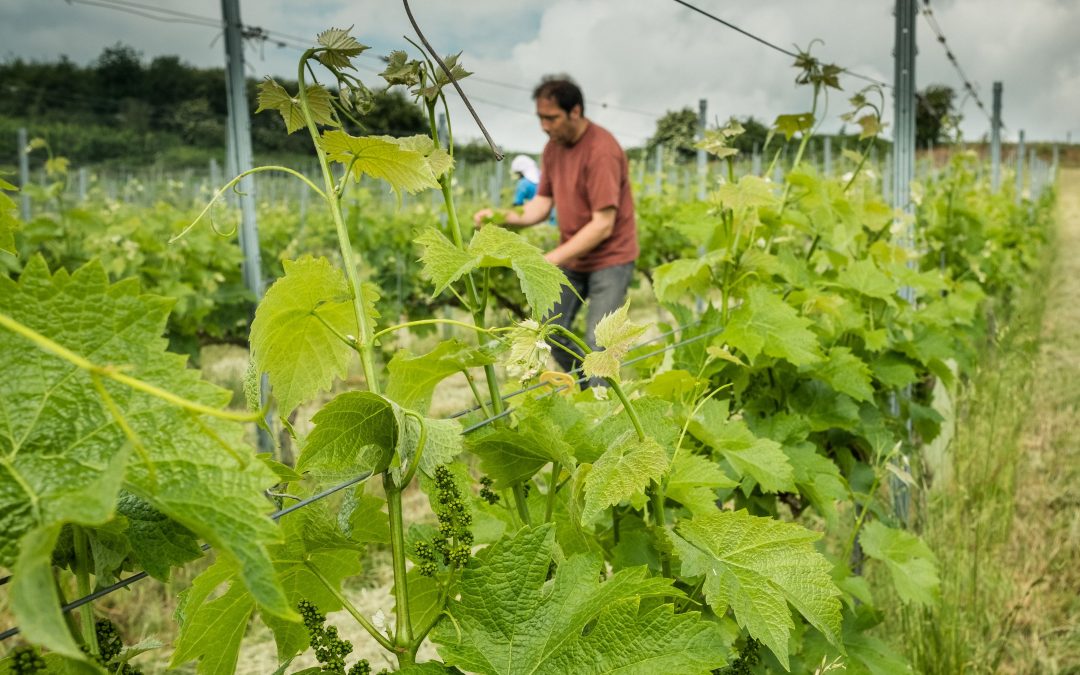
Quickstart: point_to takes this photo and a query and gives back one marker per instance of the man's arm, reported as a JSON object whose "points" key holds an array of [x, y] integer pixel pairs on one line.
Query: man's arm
{"points": [[586, 239], [536, 210]]}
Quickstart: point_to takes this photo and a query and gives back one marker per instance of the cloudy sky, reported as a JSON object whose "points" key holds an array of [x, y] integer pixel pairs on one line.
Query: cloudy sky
{"points": [[634, 60]]}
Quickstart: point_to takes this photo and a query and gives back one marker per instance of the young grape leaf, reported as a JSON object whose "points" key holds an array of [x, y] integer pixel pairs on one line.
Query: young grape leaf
{"points": [[789, 125], [747, 193], [442, 444], [340, 48], [761, 459], [617, 335], [910, 561], [756, 567], [400, 70], [623, 471], [380, 157], [63, 457], [439, 159], [413, 377], [441, 80], [510, 619], [355, 432], [680, 280], [765, 323], [818, 479], [295, 334], [273, 96]]}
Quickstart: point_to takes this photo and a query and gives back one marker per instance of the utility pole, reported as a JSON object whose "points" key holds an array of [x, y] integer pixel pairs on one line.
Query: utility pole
{"points": [[995, 140], [242, 160]]}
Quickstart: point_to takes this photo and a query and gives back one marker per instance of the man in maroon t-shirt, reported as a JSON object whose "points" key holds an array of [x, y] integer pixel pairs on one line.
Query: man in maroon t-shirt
{"points": [[584, 174]]}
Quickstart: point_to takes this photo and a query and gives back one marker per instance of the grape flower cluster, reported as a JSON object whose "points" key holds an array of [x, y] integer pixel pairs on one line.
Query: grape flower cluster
{"points": [[454, 541], [110, 645], [330, 648], [26, 661], [486, 493]]}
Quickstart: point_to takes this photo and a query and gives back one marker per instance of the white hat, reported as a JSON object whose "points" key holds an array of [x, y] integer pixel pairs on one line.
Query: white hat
{"points": [[526, 166]]}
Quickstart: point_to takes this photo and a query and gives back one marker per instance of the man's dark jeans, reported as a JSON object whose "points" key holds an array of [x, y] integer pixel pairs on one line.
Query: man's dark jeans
{"points": [[605, 289]]}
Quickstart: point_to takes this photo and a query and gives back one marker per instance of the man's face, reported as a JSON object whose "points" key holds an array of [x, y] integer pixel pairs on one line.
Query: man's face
{"points": [[559, 125]]}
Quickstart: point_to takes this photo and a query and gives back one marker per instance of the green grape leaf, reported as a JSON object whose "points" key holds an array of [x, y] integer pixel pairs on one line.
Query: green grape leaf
{"points": [[756, 567], [34, 597], [413, 377], [617, 335], [443, 443], [380, 157], [509, 619], [818, 479], [761, 459], [64, 458], [441, 80], [355, 432], [693, 481], [622, 472], [340, 48], [439, 159], [541, 281], [157, 543], [909, 560], [211, 628], [400, 70], [294, 337], [846, 373], [273, 96], [789, 125], [509, 456], [863, 276], [747, 193], [444, 264], [675, 280], [765, 323]]}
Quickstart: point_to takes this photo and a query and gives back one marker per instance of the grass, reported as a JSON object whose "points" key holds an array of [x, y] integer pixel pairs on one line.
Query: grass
{"points": [[1003, 512]]}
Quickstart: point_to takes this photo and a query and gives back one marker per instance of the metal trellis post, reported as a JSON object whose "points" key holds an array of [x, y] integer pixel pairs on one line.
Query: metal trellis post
{"points": [[995, 140], [702, 166], [1020, 168]]}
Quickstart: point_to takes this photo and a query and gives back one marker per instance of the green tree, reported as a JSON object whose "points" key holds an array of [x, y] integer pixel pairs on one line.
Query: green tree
{"points": [[933, 109], [677, 130]]}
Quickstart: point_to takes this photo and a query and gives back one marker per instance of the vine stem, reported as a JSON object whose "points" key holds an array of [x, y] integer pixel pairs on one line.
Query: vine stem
{"points": [[403, 635], [364, 323], [656, 491], [349, 607], [476, 306], [556, 468], [56, 349], [83, 560]]}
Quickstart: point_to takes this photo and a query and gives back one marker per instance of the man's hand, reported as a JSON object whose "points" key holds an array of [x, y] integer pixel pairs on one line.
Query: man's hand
{"points": [[482, 216]]}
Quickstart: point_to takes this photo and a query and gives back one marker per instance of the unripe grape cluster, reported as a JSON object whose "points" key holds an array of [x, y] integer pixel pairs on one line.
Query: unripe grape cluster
{"points": [[110, 645], [486, 493]]}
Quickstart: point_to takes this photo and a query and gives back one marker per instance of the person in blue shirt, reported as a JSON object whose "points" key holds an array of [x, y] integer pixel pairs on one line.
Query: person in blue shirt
{"points": [[528, 174]]}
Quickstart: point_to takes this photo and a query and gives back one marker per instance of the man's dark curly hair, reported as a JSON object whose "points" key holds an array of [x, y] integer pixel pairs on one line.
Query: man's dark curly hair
{"points": [[561, 89]]}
